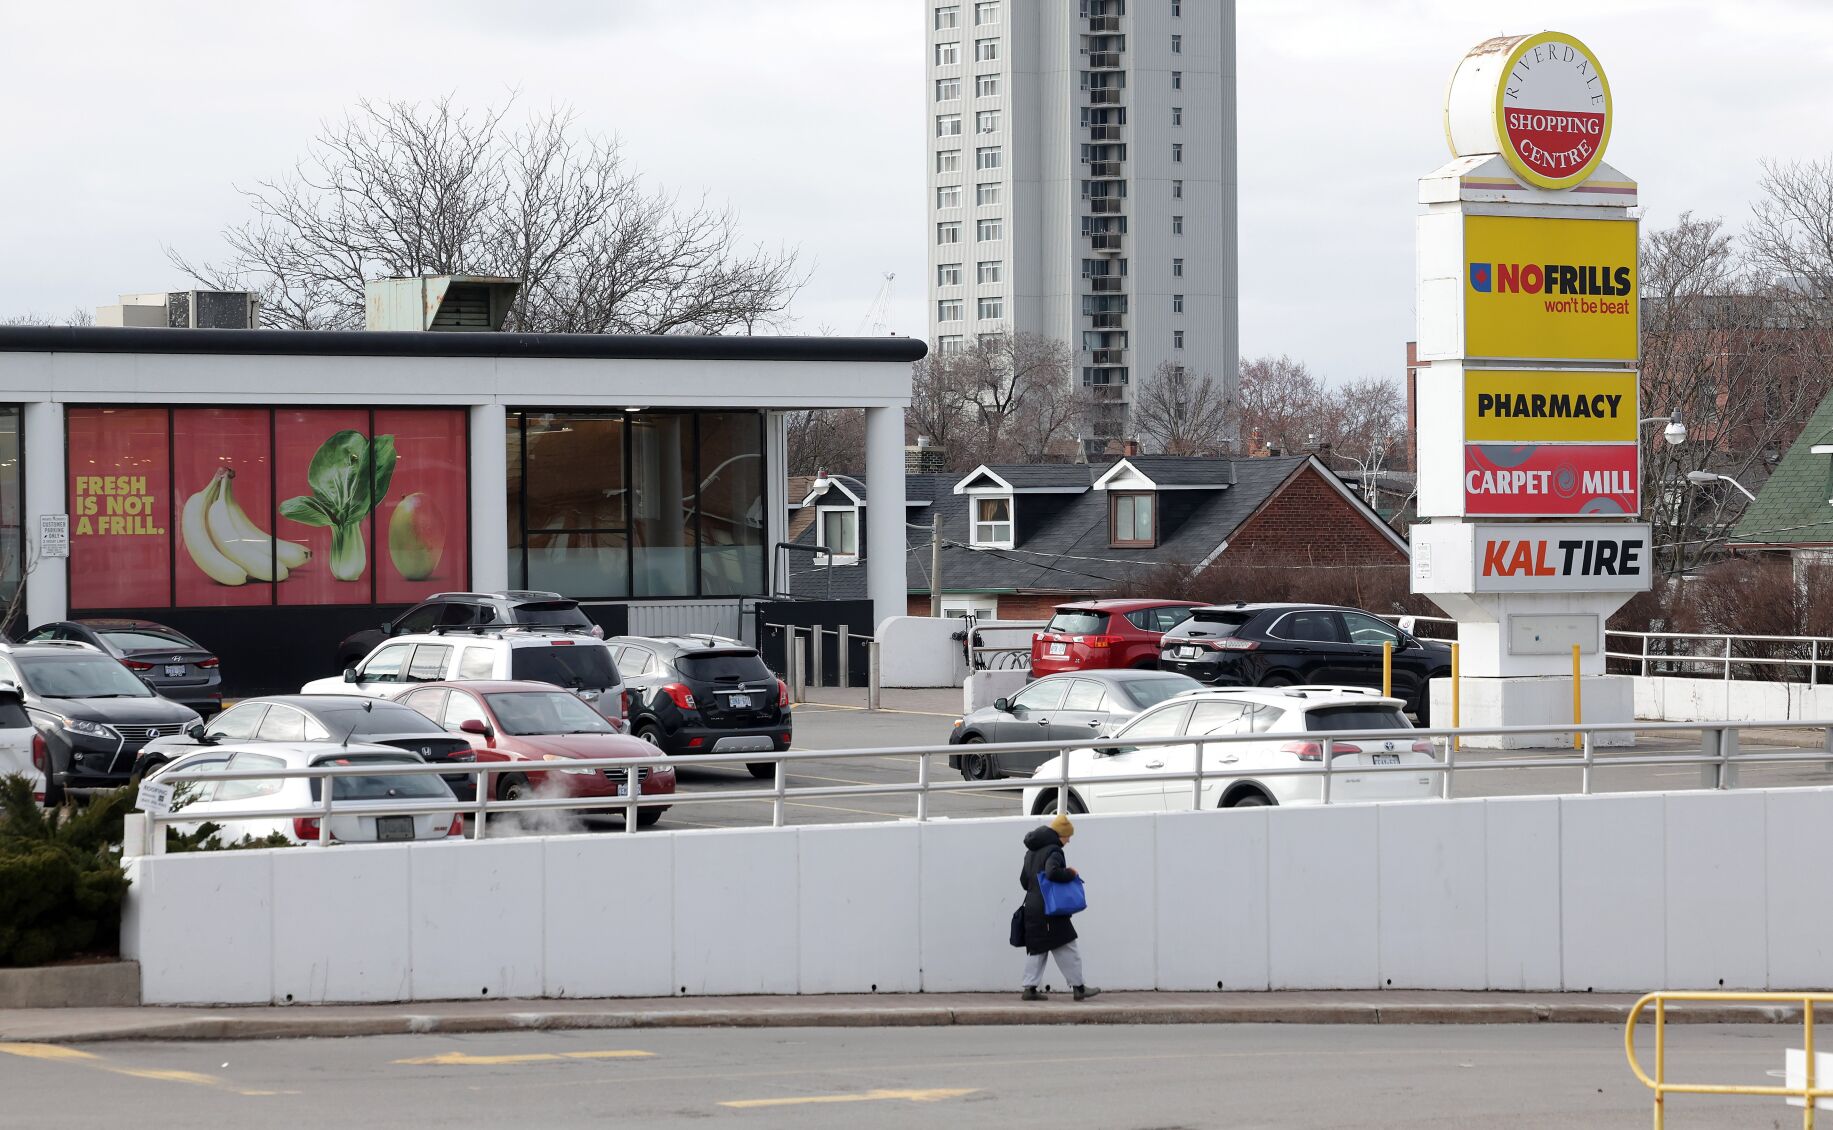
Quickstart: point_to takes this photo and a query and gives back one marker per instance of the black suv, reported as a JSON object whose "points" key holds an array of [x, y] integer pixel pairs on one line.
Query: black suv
{"points": [[703, 694], [93, 712], [470, 610], [1282, 645]]}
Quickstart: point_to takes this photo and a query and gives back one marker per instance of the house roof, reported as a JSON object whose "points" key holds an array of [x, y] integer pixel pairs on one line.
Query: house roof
{"points": [[1793, 508], [1065, 549], [1020, 478]]}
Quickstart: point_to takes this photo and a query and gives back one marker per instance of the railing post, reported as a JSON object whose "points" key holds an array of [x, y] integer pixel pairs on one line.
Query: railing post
{"points": [[781, 786], [1727, 659], [1645, 637], [1584, 786], [845, 674], [922, 787], [324, 813], [1444, 778], [480, 804], [1727, 767], [1329, 752], [1813, 663], [818, 634], [874, 676], [633, 792], [1196, 795], [1063, 782]]}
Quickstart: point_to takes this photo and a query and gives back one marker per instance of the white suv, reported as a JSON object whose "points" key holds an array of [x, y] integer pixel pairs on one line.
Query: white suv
{"points": [[1294, 720], [576, 661]]}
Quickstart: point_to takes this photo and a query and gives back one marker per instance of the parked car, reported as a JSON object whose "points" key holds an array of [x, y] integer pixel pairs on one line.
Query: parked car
{"points": [[1293, 720], [218, 802], [23, 750], [338, 718], [1056, 708], [541, 724], [580, 663], [1096, 634], [94, 714], [1280, 645], [178, 667], [469, 610], [703, 694]]}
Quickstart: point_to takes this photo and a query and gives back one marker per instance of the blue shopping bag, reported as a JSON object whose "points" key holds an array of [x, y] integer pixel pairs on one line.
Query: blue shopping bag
{"points": [[1062, 899]]}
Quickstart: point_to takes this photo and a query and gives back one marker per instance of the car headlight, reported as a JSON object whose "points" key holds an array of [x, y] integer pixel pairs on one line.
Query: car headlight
{"points": [[90, 729], [558, 757]]}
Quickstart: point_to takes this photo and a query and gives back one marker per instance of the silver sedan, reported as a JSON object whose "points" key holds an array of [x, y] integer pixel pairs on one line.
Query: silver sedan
{"points": [[1070, 706]]}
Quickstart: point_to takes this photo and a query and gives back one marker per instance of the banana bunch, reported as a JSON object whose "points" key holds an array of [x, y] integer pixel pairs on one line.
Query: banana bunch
{"points": [[227, 545]]}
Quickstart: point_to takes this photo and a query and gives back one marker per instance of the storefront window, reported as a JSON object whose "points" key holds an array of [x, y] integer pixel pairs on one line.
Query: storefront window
{"points": [[644, 504]]}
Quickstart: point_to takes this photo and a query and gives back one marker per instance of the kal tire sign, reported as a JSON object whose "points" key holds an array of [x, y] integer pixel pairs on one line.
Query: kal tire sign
{"points": [[1480, 557]]}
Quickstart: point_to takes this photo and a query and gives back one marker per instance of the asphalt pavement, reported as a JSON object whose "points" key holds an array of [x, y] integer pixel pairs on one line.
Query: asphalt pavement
{"points": [[1531, 1077]]}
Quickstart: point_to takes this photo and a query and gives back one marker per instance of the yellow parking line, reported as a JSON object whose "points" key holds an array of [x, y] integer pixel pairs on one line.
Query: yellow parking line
{"points": [[464, 1059], [929, 1096], [96, 1063]]}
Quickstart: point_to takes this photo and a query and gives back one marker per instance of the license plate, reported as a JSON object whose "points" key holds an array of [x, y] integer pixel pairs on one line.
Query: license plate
{"points": [[394, 828], [1387, 759], [739, 702], [1059, 649], [175, 671], [1189, 652]]}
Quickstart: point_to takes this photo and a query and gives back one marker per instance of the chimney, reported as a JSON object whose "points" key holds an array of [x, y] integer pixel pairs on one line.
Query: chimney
{"points": [[1130, 448], [442, 303], [924, 458]]}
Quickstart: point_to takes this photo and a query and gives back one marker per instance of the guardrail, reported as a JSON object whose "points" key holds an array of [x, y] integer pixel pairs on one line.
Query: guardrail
{"points": [[1649, 653], [1807, 1092], [1719, 757]]}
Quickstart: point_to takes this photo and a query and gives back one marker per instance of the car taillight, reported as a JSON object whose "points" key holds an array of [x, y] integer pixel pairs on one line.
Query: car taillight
{"points": [[1314, 751], [458, 825], [305, 827], [210, 664], [136, 665], [41, 753], [1102, 641], [598, 631], [1423, 746], [1230, 643], [782, 693], [680, 695]]}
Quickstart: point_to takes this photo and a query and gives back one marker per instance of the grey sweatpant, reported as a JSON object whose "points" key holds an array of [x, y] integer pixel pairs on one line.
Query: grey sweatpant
{"points": [[1069, 964]]}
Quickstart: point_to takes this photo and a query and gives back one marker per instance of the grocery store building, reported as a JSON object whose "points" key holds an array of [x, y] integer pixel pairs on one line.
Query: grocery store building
{"points": [[268, 492]]}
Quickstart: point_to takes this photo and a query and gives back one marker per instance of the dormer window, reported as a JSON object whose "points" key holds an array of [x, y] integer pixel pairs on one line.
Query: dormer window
{"points": [[992, 522], [837, 532], [1132, 520]]}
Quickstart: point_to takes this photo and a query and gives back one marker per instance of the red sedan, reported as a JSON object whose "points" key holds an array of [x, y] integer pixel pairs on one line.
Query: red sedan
{"points": [[539, 723], [1109, 634]]}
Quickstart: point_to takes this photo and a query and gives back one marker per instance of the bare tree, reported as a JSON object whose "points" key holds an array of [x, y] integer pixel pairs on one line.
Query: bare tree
{"points": [[1049, 421], [940, 406], [1365, 422], [1178, 412], [76, 317], [830, 439], [999, 374], [1281, 402], [405, 189]]}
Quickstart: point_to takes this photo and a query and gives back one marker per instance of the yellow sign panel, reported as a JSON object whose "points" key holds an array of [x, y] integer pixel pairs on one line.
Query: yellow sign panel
{"points": [[1552, 290], [1511, 406]]}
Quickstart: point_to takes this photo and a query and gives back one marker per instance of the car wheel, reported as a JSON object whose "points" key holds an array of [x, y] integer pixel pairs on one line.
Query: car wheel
{"points": [[977, 766], [651, 733], [647, 817], [1277, 681], [54, 792], [145, 769], [762, 770], [1146, 665], [1047, 804], [513, 787], [1251, 800]]}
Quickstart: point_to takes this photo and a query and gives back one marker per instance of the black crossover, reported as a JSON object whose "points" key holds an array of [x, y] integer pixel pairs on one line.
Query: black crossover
{"points": [[703, 694], [1278, 645]]}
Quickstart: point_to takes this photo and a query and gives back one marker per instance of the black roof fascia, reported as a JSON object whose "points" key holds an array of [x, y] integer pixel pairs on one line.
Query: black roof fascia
{"points": [[421, 343]]}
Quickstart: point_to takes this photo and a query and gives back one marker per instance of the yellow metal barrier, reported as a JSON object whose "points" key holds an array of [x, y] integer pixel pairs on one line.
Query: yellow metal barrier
{"points": [[1807, 1092], [1578, 705], [1457, 684], [1387, 670]]}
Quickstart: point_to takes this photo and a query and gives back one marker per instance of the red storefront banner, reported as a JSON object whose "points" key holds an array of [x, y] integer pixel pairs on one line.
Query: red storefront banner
{"points": [[120, 492], [222, 484], [422, 544], [299, 438], [1551, 480]]}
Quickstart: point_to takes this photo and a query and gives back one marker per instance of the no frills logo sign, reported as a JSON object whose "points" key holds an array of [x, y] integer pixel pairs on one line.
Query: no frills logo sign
{"points": [[1541, 101]]}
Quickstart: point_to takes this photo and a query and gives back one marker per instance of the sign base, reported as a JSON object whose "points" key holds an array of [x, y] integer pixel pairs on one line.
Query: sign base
{"points": [[1536, 701]]}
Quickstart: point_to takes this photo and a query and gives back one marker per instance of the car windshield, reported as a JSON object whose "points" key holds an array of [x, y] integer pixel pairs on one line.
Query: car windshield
{"points": [[79, 676], [1211, 623], [1355, 718], [145, 639], [553, 613], [1071, 622], [545, 712], [583, 666], [1150, 692], [387, 718], [724, 667], [380, 785]]}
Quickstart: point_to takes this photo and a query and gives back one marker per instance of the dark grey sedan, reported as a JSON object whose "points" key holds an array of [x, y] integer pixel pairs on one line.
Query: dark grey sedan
{"points": [[175, 664], [1057, 708]]}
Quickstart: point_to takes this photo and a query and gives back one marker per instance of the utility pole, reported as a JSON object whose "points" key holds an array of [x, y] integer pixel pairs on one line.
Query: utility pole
{"points": [[935, 564]]}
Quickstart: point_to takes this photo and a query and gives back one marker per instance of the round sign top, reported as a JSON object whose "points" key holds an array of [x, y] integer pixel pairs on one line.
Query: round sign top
{"points": [[1541, 101]]}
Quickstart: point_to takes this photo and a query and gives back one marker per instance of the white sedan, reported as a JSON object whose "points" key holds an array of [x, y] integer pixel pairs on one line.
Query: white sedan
{"points": [[22, 748], [1294, 722]]}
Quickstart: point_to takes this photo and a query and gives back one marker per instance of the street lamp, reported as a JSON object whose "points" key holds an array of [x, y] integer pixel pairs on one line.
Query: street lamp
{"points": [[1674, 433], [1700, 478]]}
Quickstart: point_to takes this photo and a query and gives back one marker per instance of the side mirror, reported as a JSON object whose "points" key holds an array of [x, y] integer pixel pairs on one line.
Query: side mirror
{"points": [[388, 627], [1003, 705], [195, 731], [350, 675], [10, 690], [477, 726], [150, 685]]}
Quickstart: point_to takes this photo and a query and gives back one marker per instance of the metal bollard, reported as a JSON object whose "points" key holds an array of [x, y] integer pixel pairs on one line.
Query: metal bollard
{"points": [[818, 634], [846, 658], [874, 680], [793, 660]]}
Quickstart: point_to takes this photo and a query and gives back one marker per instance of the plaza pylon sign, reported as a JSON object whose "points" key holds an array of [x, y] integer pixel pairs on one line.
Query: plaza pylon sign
{"points": [[1528, 340]]}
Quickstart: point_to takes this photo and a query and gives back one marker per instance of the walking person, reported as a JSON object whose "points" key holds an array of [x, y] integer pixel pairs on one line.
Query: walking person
{"points": [[1047, 936]]}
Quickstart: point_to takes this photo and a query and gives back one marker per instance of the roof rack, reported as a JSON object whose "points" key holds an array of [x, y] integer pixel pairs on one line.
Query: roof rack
{"points": [[77, 645], [510, 629], [1331, 688]]}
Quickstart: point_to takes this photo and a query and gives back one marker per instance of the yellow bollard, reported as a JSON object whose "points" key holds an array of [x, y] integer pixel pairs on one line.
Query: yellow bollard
{"points": [[1456, 684], [1578, 707], [1387, 669]]}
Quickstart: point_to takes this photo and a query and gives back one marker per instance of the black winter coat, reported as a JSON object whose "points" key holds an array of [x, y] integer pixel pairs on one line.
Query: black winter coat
{"points": [[1044, 852]]}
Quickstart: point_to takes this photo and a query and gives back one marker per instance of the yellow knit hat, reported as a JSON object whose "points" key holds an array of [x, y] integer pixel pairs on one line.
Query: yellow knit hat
{"points": [[1062, 827]]}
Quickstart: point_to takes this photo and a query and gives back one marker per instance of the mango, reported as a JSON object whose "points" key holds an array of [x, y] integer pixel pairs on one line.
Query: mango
{"points": [[416, 537]]}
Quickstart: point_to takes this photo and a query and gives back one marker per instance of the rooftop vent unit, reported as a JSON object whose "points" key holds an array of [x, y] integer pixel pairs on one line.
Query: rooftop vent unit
{"points": [[446, 303], [184, 310]]}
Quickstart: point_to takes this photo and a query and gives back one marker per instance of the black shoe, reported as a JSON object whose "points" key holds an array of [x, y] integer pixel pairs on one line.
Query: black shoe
{"points": [[1083, 992], [1031, 994]]}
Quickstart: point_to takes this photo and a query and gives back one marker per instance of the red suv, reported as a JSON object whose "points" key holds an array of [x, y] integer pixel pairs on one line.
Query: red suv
{"points": [[1105, 633]]}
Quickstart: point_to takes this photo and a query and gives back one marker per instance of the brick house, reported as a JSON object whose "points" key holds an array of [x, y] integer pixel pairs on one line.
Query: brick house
{"points": [[1018, 540]]}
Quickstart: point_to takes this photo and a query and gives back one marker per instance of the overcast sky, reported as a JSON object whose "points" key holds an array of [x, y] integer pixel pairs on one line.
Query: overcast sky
{"points": [[131, 124]]}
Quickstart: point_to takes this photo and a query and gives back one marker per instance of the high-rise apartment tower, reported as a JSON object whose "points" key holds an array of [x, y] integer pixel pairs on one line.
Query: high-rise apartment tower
{"points": [[1082, 183]]}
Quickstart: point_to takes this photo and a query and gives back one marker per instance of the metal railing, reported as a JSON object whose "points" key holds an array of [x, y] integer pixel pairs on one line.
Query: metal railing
{"points": [[1807, 1092], [1719, 757]]}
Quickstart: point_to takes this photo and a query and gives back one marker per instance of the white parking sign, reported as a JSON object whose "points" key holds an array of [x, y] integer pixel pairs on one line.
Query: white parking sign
{"points": [[155, 798]]}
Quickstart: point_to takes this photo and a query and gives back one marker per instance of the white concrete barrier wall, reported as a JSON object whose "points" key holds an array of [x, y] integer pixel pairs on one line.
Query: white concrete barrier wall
{"points": [[1622, 892]]}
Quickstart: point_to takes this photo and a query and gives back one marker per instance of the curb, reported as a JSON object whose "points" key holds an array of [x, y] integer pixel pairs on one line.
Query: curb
{"points": [[302, 1025]]}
